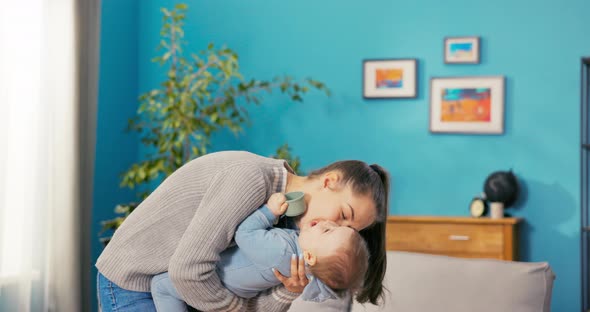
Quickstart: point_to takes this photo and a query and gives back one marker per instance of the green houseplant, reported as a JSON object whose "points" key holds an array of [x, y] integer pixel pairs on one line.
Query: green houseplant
{"points": [[202, 94]]}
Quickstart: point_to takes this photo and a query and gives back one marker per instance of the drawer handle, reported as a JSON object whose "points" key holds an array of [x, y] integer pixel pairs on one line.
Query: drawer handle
{"points": [[458, 237]]}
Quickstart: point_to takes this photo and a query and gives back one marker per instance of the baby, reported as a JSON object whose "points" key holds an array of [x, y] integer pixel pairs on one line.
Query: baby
{"points": [[336, 259]]}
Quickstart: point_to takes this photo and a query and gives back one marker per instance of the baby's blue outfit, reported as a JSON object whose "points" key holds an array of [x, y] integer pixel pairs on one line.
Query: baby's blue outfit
{"points": [[246, 269]]}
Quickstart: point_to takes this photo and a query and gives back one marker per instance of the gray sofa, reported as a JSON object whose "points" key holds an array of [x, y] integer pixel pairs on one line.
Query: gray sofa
{"points": [[426, 283]]}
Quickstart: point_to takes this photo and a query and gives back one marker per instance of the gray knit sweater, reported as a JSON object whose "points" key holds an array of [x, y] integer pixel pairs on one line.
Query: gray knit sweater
{"points": [[187, 221]]}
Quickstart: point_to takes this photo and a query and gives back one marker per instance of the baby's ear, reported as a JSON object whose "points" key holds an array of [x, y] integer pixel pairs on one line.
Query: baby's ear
{"points": [[310, 258]]}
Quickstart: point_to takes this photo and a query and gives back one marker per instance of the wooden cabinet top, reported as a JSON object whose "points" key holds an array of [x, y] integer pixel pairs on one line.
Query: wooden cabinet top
{"points": [[445, 219], [466, 237]]}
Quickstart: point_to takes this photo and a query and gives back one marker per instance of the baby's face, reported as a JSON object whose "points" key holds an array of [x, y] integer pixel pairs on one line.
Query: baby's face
{"points": [[324, 237]]}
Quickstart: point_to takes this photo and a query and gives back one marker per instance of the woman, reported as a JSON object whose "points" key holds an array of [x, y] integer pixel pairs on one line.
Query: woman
{"points": [[185, 224]]}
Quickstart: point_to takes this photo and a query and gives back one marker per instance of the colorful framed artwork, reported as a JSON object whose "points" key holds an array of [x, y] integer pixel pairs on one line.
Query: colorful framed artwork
{"points": [[389, 78], [462, 50], [467, 105]]}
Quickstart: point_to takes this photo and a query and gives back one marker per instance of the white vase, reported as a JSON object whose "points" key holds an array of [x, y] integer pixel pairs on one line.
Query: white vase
{"points": [[496, 210]]}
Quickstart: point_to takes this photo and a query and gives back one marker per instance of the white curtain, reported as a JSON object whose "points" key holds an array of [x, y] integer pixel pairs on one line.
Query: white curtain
{"points": [[47, 103]]}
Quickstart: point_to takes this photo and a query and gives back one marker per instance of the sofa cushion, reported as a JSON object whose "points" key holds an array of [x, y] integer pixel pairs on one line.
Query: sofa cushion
{"points": [[426, 283]]}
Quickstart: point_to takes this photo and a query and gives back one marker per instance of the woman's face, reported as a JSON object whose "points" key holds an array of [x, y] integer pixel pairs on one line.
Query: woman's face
{"points": [[331, 201]]}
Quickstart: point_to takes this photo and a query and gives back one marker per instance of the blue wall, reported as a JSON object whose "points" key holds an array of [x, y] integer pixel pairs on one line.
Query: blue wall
{"points": [[536, 45], [117, 101]]}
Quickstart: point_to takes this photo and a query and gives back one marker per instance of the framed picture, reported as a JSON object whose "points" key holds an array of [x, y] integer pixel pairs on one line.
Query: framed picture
{"points": [[467, 105], [389, 78], [462, 50]]}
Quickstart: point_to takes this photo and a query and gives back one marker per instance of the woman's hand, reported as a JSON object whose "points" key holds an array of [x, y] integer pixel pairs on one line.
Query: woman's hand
{"points": [[298, 279]]}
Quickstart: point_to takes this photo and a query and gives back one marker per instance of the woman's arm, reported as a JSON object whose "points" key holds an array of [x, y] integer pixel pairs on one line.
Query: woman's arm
{"points": [[279, 298], [232, 195]]}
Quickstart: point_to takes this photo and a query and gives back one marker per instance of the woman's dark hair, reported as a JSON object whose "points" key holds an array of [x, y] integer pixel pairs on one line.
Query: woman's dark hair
{"points": [[370, 180]]}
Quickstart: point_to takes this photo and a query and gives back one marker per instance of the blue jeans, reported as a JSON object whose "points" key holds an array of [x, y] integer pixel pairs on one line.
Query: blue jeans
{"points": [[112, 298]]}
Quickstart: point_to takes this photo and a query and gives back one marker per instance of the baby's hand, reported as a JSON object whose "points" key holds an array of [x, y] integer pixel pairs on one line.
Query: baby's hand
{"points": [[277, 204]]}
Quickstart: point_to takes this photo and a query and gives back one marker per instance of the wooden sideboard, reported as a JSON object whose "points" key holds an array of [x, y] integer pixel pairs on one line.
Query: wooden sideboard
{"points": [[464, 237]]}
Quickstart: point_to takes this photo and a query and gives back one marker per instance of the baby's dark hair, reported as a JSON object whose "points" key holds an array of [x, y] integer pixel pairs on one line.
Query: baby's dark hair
{"points": [[373, 181], [345, 268]]}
